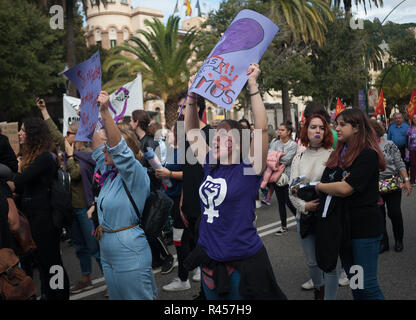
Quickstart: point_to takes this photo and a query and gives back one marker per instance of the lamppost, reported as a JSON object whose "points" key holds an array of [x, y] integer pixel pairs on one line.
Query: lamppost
{"points": [[369, 50]]}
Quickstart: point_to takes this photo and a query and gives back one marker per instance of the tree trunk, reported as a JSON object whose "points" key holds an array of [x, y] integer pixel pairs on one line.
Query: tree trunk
{"points": [[70, 45], [286, 104], [171, 114]]}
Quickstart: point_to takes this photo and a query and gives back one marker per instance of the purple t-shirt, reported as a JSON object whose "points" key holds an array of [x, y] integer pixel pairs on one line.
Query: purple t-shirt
{"points": [[411, 133], [228, 202]]}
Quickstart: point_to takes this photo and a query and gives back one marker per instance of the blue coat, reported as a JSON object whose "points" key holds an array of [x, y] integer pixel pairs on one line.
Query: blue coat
{"points": [[125, 255]]}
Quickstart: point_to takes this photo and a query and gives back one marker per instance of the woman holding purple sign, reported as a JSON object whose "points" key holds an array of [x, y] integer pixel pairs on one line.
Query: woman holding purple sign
{"points": [[234, 261]]}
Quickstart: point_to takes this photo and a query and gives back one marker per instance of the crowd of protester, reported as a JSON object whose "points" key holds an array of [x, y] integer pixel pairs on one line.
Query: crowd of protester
{"points": [[352, 171]]}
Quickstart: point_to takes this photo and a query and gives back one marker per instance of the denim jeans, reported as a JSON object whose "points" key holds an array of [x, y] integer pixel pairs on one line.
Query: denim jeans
{"points": [[86, 246], [365, 254], [319, 278]]}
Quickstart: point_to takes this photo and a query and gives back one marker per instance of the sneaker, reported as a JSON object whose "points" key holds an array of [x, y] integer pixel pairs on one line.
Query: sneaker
{"points": [[177, 285], [81, 286], [308, 285], [258, 204], [266, 201], [197, 274], [167, 265], [280, 231]]}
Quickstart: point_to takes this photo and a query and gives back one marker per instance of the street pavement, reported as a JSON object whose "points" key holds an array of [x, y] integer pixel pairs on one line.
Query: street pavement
{"points": [[396, 271]]}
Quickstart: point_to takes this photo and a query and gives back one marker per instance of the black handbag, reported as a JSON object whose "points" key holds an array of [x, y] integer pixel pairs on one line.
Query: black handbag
{"points": [[155, 213]]}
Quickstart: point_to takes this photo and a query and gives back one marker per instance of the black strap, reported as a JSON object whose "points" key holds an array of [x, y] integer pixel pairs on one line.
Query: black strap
{"points": [[133, 203]]}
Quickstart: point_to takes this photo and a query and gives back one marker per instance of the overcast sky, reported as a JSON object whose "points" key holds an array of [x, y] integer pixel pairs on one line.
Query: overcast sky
{"points": [[406, 12]]}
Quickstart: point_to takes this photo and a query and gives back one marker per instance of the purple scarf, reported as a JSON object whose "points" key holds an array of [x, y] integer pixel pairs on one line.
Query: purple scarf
{"points": [[343, 152], [113, 172]]}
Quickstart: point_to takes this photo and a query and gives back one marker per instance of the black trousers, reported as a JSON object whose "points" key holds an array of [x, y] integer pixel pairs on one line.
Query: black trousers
{"points": [[47, 255], [183, 238], [393, 202], [282, 194]]}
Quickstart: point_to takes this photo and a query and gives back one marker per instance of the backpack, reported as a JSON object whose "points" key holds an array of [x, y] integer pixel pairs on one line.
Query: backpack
{"points": [[14, 283], [155, 213], [61, 200]]}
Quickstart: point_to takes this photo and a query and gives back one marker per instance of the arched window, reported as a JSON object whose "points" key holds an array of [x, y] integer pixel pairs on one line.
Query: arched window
{"points": [[97, 35], [112, 35], [126, 34]]}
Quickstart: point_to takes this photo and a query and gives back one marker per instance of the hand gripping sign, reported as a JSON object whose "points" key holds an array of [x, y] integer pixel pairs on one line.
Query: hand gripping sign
{"points": [[224, 73], [86, 76]]}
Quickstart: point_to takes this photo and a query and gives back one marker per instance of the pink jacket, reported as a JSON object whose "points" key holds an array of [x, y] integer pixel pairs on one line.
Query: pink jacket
{"points": [[274, 168]]}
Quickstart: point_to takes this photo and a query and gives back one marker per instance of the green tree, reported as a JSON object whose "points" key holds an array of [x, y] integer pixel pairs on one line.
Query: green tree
{"points": [[30, 55], [347, 4], [398, 84], [164, 59], [338, 66]]}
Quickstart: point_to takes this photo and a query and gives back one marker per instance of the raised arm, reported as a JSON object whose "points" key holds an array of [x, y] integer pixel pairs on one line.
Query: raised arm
{"points": [[193, 133], [56, 135], [260, 120], [111, 129]]}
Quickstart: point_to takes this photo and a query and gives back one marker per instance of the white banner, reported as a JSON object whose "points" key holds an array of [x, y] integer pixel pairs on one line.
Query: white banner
{"points": [[122, 103]]}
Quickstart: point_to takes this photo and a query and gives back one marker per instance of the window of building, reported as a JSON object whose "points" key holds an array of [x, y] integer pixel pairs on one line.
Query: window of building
{"points": [[113, 43], [98, 43], [123, 2], [126, 34], [98, 35]]}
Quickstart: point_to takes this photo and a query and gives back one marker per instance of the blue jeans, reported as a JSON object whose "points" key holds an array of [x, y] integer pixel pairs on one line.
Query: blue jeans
{"points": [[86, 246], [319, 278], [365, 254]]}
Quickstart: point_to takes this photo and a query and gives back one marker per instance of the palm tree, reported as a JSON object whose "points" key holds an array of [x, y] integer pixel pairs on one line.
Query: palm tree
{"points": [[69, 6], [398, 84], [302, 20], [164, 59], [348, 4]]}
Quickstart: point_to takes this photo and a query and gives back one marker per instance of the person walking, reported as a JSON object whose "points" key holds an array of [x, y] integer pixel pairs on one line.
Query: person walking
{"points": [[317, 138], [411, 136], [139, 122], [125, 253], [351, 180], [289, 147], [398, 134], [80, 166], [234, 261], [392, 198], [37, 169]]}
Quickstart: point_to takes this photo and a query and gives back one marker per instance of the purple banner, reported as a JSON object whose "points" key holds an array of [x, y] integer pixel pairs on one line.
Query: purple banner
{"points": [[86, 76], [224, 73]]}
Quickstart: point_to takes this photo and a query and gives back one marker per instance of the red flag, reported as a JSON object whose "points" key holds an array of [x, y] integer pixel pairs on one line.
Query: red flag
{"points": [[411, 109], [380, 105], [302, 116], [340, 107]]}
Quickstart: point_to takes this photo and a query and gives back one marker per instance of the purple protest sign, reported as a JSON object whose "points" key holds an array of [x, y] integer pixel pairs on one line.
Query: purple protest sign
{"points": [[224, 73], [86, 76]]}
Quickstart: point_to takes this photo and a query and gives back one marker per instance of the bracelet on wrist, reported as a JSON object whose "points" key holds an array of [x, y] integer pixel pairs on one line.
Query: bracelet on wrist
{"points": [[253, 94]]}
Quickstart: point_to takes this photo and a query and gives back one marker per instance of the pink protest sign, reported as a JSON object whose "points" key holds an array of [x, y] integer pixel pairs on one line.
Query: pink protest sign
{"points": [[224, 73], [86, 76]]}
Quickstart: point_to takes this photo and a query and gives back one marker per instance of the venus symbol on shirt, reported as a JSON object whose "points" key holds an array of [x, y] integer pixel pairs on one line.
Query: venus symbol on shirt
{"points": [[212, 193]]}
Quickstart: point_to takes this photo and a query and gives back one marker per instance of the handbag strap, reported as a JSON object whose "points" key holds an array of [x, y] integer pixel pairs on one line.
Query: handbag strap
{"points": [[133, 203]]}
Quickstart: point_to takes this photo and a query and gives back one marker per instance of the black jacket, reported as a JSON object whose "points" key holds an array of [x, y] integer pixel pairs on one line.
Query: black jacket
{"points": [[7, 156]]}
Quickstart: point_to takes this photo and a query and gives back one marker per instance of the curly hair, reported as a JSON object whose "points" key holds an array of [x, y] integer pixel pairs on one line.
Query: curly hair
{"points": [[38, 140]]}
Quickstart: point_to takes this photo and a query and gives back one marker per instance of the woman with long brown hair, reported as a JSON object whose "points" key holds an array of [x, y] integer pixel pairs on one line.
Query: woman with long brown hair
{"points": [[352, 176], [80, 166], [37, 169]]}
